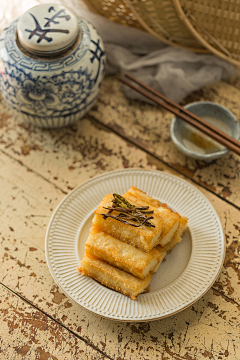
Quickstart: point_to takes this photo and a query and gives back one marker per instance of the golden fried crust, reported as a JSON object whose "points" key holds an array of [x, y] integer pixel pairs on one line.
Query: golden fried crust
{"points": [[163, 253], [113, 278], [143, 237], [122, 255], [155, 203], [168, 248], [143, 196], [182, 226], [170, 218], [171, 221]]}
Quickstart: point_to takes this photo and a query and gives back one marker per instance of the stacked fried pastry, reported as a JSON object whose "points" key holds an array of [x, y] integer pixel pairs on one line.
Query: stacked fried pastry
{"points": [[123, 254]]}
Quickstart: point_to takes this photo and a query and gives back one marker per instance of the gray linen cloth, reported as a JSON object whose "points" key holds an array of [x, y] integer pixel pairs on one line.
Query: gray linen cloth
{"points": [[173, 71]]}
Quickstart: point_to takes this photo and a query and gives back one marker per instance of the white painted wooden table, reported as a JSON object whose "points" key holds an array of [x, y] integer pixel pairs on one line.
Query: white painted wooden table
{"points": [[39, 167]]}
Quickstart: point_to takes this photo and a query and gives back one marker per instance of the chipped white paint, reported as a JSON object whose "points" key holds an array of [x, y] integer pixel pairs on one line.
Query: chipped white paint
{"points": [[27, 333], [37, 168], [68, 156], [148, 126]]}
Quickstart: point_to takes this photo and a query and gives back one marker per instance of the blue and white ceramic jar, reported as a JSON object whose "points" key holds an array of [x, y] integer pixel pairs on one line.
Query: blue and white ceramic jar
{"points": [[51, 65]]}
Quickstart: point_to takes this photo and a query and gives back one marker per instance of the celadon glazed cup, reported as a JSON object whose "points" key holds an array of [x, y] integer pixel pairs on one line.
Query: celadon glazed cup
{"points": [[193, 143]]}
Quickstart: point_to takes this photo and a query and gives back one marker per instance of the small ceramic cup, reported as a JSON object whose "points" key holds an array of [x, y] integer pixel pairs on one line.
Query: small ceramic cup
{"points": [[194, 143], [51, 65]]}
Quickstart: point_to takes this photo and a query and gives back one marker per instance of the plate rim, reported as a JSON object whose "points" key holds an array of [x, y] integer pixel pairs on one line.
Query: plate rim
{"points": [[178, 178]]}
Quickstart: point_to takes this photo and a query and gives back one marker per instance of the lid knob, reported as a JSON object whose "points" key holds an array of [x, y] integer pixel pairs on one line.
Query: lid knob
{"points": [[47, 29]]}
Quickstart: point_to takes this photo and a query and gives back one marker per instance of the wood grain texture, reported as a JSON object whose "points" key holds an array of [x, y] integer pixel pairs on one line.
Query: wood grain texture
{"points": [[29, 194], [148, 127], [26, 333], [69, 156]]}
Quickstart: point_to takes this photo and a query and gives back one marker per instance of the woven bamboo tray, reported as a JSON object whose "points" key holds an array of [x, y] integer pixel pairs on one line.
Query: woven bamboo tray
{"points": [[115, 10], [159, 17], [215, 24]]}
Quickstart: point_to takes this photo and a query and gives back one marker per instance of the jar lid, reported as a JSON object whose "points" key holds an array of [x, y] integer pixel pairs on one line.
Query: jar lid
{"points": [[47, 29]]}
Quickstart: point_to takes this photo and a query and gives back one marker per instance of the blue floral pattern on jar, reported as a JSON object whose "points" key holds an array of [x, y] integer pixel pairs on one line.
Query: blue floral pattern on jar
{"points": [[38, 97]]}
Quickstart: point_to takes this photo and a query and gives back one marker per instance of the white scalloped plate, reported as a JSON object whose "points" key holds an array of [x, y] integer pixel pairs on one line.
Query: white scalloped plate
{"points": [[188, 272]]}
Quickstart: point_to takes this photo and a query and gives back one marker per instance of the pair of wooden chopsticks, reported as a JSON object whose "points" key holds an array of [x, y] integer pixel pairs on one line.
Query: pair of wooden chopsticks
{"points": [[192, 119]]}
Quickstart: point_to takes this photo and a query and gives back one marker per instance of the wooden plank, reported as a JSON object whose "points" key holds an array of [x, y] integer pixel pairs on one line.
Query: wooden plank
{"points": [[56, 153], [69, 156], [148, 127], [208, 329], [26, 333]]}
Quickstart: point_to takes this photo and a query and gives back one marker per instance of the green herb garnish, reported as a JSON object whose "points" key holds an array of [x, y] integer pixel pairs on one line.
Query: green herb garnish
{"points": [[128, 213]]}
